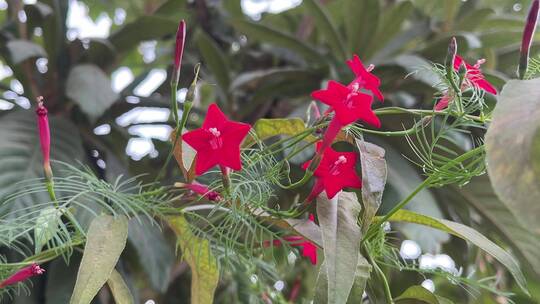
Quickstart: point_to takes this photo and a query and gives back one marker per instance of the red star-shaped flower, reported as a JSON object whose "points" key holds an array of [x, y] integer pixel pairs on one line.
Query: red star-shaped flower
{"points": [[217, 142], [364, 77], [349, 104], [335, 172]]}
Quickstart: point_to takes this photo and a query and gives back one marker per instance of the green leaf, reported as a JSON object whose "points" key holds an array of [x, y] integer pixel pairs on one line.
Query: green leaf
{"points": [[473, 19], [373, 179], [326, 26], [480, 194], [153, 251], [468, 234], [361, 21], [266, 34], [46, 226], [20, 50], [341, 237], [141, 29], [514, 165], [266, 128], [197, 253], [21, 160], [417, 295], [363, 269], [214, 59], [90, 88], [105, 241], [119, 289]]}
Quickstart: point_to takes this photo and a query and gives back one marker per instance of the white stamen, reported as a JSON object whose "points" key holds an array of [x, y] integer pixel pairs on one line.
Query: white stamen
{"points": [[214, 132], [479, 62], [341, 160], [370, 67]]}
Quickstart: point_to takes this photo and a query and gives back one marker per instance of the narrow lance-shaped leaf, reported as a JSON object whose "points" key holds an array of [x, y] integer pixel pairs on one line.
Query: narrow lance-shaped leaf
{"points": [[373, 179], [119, 289], [341, 237], [469, 234], [214, 59], [197, 253], [106, 239]]}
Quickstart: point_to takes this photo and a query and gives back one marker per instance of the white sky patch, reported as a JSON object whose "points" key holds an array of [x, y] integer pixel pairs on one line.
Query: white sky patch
{"points": [[439, 261], [5, 105], [154, 79], [23, 102], [16, 86], [410, 250], [148, 50], [81, 26], [3, 5], [429, 285], [121, 78], [137, 148], [143, 115], [161, 132], [279, 285], [42, 65], [103, 129], [181, 95], [254, 8], [5, 71], [119, 16]]}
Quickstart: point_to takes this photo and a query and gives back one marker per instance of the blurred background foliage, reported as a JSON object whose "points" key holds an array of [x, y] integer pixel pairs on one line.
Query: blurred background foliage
{"points": [[103, 67]]}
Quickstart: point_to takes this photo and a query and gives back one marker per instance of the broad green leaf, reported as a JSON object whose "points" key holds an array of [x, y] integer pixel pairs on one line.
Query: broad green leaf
{"points": [[20, 50], [373, 179], [197, 253], [90, 88], [266, 128], [480, 194], [473, 19], [266, 34], [513, 158], [468, 234], [307, 229], [363, 269], [326, 26], [214, 59], [21, 160], [361, 21], [153, 251], [119, 289], [141, 29], [105, 241], [341, 237], [419, 295], [46, 226]]}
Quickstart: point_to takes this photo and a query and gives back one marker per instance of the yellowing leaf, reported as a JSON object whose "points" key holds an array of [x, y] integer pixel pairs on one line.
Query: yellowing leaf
{"points": [[185, 156], [119, 289], [196, 252], [266, 128], [106, 239]]}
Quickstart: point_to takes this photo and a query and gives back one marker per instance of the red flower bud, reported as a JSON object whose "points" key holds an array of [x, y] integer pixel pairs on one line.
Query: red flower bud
{"points": [[179, 50], [201, 190], [44, 137], [23, 274], [528, 34]]}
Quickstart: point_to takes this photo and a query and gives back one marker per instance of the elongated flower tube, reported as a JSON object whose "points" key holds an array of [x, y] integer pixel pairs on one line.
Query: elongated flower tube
{"points": [[44, 137], [22, 275], [179, 50], [528, 34], [202, 190]]}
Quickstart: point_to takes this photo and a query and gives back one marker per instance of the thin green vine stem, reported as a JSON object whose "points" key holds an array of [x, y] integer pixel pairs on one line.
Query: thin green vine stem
{"points": [[380, 273], [398, 110]]}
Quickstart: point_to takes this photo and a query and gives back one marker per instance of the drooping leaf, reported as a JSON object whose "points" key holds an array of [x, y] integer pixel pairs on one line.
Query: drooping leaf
{"points": [[341, 237], [20, 50], [419, 295], [153, 251], [46, 226], [373, 179], [326, 26], [513, 158], [266, 34], [468, 234], [89, 87], [266, 128], [197, 253], [184, 155], [480, 194], [20, 156], [141, 29], [361, 21], [119, 289], [105, 241], [214, 59]]}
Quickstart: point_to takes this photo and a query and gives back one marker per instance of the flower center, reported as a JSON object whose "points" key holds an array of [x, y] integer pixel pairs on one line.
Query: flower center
{"points": [[334, 169], [216, 141]]}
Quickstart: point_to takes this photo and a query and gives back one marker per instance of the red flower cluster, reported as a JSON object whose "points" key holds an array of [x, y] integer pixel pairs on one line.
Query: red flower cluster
{"points": [[473, 76], [22, 275]]}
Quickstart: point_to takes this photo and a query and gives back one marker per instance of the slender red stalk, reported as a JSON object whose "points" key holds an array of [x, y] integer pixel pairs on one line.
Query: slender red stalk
{"points": [[22, 275]]}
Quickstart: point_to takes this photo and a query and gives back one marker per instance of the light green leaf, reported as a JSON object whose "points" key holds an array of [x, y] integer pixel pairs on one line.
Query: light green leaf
{"points": [[266, 34], [341, 237], [373, 179], [197, 253], [266, 128], [326, 26], [363, 269], [119, 289], [90, 88], [468, 234], [214, 59], [153, 251], [105, 241], [46, 226], [417, 295], [20, 50], [513, 158]]}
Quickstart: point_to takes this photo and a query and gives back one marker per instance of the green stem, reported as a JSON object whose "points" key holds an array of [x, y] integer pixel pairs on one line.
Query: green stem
{"points": [[398, 110], [380, 273]]}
